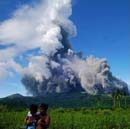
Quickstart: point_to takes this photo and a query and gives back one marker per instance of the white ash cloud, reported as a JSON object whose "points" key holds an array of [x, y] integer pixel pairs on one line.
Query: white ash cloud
{"points": [[54, 68], [38, 67], [95, 75], [37, 26]]}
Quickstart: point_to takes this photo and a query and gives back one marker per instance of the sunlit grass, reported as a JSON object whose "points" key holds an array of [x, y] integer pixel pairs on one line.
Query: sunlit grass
{"points": [[73, 119]]}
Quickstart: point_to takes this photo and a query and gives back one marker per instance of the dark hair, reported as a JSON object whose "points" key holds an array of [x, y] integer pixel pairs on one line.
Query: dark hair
{"points": [[43, 105], [33, 107]]}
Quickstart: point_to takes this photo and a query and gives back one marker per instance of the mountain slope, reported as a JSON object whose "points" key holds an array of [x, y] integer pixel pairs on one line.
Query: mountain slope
{"points": [[75, 100]]}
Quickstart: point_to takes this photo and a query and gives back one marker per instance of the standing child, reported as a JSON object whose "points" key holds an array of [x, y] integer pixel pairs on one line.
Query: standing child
{"points": [[44, 119], [32, 117]]}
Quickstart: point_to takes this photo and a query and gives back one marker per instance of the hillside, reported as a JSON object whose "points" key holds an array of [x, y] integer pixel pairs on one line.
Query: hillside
{"points": [[75, 100]]}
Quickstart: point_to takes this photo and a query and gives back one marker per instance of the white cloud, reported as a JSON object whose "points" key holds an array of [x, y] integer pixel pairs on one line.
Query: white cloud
{"points": [[31, 27], [3, 73], [38, 68]]}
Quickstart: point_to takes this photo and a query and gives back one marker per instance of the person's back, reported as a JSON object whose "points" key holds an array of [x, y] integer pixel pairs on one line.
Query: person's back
{"points": [[44, 119]]}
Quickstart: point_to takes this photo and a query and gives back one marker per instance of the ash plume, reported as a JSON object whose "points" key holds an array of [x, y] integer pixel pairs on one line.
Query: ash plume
{"points": [[39, 35]]}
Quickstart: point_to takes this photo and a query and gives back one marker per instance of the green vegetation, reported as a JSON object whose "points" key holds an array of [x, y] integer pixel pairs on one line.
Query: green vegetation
{"points": [[77, 111], [75, 100], [62, 118]]}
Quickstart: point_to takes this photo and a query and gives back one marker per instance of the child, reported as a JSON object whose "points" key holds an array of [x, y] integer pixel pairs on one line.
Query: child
{"points": [[32, 117], [44, 119]]}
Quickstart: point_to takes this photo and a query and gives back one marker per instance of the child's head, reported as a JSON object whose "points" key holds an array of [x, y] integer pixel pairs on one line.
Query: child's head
{"points": [[43, 108], [33, 109]]}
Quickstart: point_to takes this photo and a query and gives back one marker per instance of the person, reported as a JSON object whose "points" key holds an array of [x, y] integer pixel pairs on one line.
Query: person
{"points": [[32, 117], [44, 119]]}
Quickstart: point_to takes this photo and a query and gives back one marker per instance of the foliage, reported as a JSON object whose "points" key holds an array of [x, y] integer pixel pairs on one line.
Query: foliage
{"points": [[80, 112], [83, 118], [75, 100]]}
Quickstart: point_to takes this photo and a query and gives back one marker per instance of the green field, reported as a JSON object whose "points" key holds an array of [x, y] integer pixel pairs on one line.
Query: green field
{"points": [[78, 111], [62, 118]]}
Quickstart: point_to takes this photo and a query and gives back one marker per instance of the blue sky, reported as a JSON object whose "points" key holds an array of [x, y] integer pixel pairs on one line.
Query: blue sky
{"points": [[102, 31]]}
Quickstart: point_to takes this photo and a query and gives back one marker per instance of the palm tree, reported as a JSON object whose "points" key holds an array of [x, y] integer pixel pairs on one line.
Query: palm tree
{"points": [[114, 99], [119, 96], [116, 95], [124, 94]]}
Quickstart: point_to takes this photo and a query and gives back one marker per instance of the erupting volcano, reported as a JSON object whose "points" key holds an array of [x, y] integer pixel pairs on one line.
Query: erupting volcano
{"points": [[52, 66]]}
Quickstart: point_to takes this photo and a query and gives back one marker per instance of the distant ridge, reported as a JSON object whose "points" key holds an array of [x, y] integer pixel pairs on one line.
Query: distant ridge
{"points": [[74, 100], [17, 95]]}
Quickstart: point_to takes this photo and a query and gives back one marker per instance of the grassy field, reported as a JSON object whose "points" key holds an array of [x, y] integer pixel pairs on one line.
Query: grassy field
{"points": [[72, 118]]}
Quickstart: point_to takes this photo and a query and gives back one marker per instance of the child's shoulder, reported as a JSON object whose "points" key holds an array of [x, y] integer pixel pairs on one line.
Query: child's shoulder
{"points": [[37, 113], [29, 113]]}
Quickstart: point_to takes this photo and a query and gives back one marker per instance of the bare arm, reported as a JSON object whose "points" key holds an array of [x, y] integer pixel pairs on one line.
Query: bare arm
{"points": [[44, 121], [27, 120], [47, 121]]}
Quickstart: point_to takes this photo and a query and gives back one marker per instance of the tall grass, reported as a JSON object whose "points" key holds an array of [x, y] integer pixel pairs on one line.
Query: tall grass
{"points": [[73, 119]]}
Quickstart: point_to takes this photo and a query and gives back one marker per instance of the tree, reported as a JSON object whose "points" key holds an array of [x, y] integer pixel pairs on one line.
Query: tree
{"points": [[114, 99], [117, 95], [124, 95]]}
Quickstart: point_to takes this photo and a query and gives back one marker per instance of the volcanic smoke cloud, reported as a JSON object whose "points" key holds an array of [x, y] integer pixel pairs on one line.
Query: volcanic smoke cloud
{"points": [[35, 43]]}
